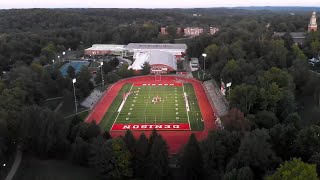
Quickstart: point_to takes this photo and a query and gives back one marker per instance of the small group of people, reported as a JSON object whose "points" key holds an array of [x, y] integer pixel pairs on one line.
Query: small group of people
{"points": [[156, 99], [125, 95]]}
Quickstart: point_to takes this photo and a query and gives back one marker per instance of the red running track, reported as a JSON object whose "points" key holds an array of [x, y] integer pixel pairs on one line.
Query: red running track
{"points": [[175, 139]]}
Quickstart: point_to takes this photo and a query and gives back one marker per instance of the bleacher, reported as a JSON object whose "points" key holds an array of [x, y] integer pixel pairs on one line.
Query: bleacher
{"points": [[91, 100], [217, 100]]}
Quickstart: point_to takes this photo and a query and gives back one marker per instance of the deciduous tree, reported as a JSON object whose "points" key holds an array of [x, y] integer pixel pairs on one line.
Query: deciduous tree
{"points": [[295, 169]]}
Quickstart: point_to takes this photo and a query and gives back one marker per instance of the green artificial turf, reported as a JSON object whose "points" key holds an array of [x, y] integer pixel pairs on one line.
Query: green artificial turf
{"points": [[139, 108]]}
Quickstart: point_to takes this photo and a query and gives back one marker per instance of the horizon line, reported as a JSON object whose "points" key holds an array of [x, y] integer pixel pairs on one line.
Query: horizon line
{"points": [[214, 7]]}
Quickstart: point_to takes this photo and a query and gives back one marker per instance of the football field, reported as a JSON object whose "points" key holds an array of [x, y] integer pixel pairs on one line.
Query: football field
{"points": [[141, 106]]}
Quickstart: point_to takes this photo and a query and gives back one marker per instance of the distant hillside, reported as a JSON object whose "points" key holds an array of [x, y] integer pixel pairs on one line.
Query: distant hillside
{"points": [[280, 8]]}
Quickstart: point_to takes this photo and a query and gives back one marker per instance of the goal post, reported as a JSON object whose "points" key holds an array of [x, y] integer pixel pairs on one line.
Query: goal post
{"points": [[157, 76]]}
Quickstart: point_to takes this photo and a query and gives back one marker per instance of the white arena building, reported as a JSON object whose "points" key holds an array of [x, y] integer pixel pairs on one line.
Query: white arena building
{"points": [[160, 61]]}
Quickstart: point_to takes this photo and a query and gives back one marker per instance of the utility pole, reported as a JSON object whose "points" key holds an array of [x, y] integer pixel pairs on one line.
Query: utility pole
{"points": [[204, 65], [102, 74], [74, 94]]}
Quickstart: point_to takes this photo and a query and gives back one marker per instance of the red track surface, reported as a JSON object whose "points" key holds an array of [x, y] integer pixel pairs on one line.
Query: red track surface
{"points": [[175, 139]]}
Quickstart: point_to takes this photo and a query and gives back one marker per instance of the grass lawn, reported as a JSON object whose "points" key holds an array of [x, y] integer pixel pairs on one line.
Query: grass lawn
{"points": [[37, 169], [138, 108], [81, 115]]}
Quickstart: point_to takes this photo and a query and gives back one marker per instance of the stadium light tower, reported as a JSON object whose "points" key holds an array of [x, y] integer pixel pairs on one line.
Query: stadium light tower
{"points": [[102, 74], [74, 80], [204, 66]]}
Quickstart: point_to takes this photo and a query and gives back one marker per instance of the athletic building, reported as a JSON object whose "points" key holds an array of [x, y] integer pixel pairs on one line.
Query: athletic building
{"points": [[177, 50], [160, 61], [107, 49]]}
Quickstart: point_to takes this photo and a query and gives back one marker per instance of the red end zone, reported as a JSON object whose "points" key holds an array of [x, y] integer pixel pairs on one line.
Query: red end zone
{"points": [[141, 127]]}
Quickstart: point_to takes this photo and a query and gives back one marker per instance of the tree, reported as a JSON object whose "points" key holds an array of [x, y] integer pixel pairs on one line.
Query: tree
{"points": [[124, 72], [295, 169], [86, 131], [98, 78], [130, 142], [218, 148], [80, 151], [112, 77], [43, 131], [107, 67], [270, 96], [244, 97], [71, 72], [288, 40], [275, 75], [146, 68], [84, 85], [244, 173], [315, 159], [157, 167], [294, 119], [191, 161], [113, 160], [141, 156], [266, 119], [277, 56], [282, 139], [256, 143], [308, 142], [231, 72], [235, 121]]}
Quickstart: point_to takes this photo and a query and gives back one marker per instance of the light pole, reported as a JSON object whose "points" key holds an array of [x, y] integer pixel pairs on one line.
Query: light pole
{"points": [[63, 53], [74, 93], [102, 74], [204, 65]]}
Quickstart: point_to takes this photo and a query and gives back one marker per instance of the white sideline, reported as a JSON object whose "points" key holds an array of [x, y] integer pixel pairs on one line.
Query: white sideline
{"points": [[187, 101], [118, 113], [187, 105], [122, 104]]}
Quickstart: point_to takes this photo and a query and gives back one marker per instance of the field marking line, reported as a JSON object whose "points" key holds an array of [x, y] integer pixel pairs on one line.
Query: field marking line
{"points": [[186, 109], [162, 101], [118, 114], [145, 107]]}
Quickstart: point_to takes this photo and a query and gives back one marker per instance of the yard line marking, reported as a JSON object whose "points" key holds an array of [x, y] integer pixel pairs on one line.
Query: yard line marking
{"points": [[145, 107]]}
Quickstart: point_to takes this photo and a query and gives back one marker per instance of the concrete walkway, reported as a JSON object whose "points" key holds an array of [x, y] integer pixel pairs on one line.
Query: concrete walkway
{"points": [[16, 164]]}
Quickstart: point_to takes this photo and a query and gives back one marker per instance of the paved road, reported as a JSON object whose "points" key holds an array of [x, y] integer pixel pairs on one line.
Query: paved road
{"points": [[16, 164]]}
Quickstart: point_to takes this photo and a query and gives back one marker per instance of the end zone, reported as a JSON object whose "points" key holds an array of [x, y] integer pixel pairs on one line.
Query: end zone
{"points": [[141, 127]]}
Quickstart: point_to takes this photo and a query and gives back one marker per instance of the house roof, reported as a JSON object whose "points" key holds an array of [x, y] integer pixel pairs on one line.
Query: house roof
{"points": [[295, 35]]}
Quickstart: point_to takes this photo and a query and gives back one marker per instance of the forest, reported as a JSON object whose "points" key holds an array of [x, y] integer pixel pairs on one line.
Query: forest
{"points": [[271, 131]]}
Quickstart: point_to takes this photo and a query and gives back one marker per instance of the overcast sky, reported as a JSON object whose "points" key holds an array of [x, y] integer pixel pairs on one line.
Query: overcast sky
{"points": [[8, 4]]}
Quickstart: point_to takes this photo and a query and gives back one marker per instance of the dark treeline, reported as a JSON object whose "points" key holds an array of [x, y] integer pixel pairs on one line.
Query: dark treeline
{"points": [[41, 33]]}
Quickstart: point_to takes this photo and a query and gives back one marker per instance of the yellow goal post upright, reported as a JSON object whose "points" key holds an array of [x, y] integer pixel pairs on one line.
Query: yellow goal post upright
{"points": [[157, 75]]}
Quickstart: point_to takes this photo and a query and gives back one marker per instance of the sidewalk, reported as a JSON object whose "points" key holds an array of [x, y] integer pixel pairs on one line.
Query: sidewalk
{"points": [[16, 163]]}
